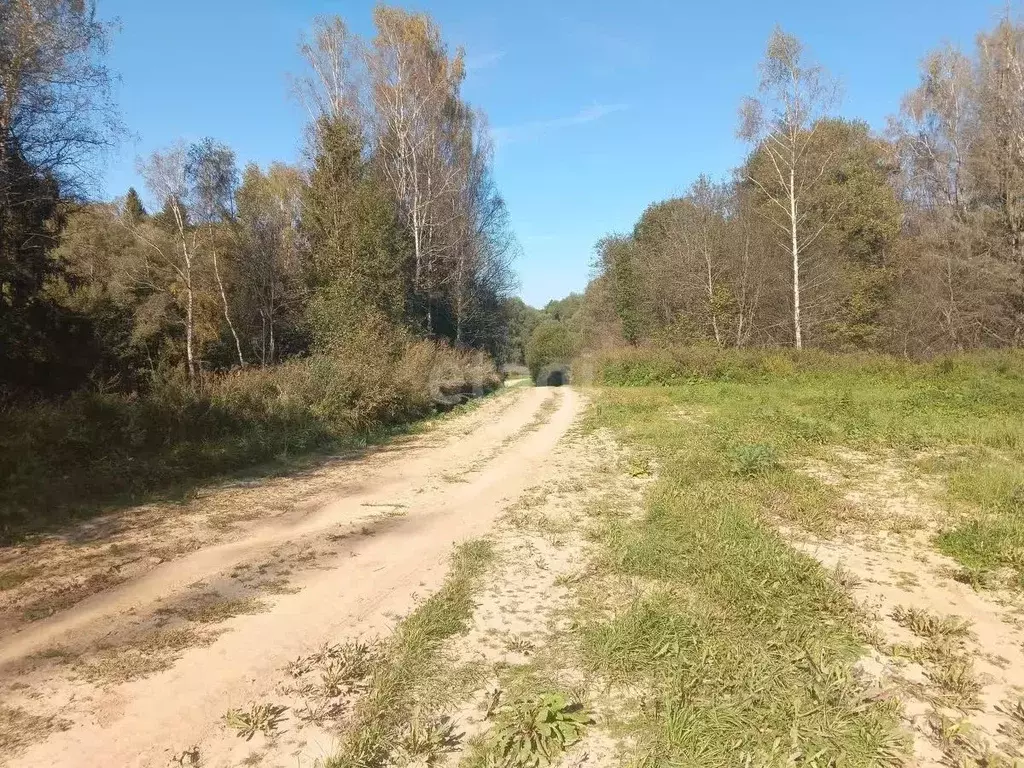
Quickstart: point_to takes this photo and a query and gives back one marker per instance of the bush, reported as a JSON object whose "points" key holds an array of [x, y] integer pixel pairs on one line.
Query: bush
{"points": [[60, 459], [551, 345]]}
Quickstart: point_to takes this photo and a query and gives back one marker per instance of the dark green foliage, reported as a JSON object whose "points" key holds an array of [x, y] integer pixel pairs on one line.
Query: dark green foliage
{"points": [[34, 329], [534, 733], [619, 262], [359, 252], [551, 345], [134, 210]]}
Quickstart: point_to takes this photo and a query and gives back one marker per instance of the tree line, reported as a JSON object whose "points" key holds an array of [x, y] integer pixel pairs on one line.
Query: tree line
{"points": [[831, 235], [391, 222]]}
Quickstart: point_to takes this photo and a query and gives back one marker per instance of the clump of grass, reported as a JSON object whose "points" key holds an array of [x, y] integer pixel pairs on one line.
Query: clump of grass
{"points": [[638, 466], [942, 654], [521, 645], [350, 662], [259, 718], [424, 740], [754, 460], [213, 608], [926, 624], [955, 677], [409, 660]]}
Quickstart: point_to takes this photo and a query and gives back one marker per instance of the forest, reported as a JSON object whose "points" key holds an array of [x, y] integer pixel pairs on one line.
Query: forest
{"points": [[832, 235], [253, 312]]}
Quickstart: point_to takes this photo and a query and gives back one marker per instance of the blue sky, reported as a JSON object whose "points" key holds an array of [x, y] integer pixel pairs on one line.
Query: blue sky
{"points": [[599, 107]]}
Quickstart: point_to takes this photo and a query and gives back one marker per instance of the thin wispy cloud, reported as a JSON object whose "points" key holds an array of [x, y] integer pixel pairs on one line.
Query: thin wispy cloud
{"points": [[537, 128], [612, 50], [483, 61]]}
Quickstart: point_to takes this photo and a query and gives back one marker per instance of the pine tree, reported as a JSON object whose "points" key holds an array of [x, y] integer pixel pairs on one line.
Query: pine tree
{"points": [[358, 249], [134, 210]]}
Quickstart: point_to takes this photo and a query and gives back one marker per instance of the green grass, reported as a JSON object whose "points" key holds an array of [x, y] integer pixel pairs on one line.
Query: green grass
{"points": [[413, 662], [744, 646], [959, 419], [741, 648]]}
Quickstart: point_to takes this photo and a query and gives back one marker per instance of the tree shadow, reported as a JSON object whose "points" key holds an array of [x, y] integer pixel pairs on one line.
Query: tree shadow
{"points": [[78, 471]]}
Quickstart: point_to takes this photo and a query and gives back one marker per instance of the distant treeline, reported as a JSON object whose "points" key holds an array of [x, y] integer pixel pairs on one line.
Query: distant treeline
{"points": [[835, 237]]}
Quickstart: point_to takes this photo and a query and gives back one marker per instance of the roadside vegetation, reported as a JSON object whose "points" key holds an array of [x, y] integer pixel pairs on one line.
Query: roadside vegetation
{"points": [[412, 679], [73, 457], [676, 620]]}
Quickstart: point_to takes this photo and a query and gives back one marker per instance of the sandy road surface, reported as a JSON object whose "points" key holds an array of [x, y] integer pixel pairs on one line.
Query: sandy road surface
{"points": [[412, 505]]}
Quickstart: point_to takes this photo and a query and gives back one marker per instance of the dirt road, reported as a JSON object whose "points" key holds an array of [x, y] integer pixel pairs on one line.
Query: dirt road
{"points": [[142, 672]]}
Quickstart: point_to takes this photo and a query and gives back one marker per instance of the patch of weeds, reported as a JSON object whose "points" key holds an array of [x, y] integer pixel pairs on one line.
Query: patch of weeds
{"points": [[19, 729], [534, 733], [141, 657], [50, 603], [425, 740], [976, 578], [845, 578], [948, 732], [961, 745], [55, 652], [907, 580], [17, 576], [319, 711], [754, 460], [1013, 727], [638, 466], [410, 659], [936, 650], [926, 624], [349, 662], [521, 645], [213, 608], [259, 718], [279, 585], [954, 675], [735, 631]]}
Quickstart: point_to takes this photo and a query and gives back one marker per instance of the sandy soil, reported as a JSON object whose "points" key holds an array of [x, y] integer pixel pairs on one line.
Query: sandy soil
{"points": [[887, 555], [523, 622], [157, 621]]}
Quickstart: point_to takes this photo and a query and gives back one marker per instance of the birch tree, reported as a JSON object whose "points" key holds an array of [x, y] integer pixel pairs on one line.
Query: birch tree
{"points": [[415, 85], [270, 270], [166, 177], [795, 95], [212, 178]]}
